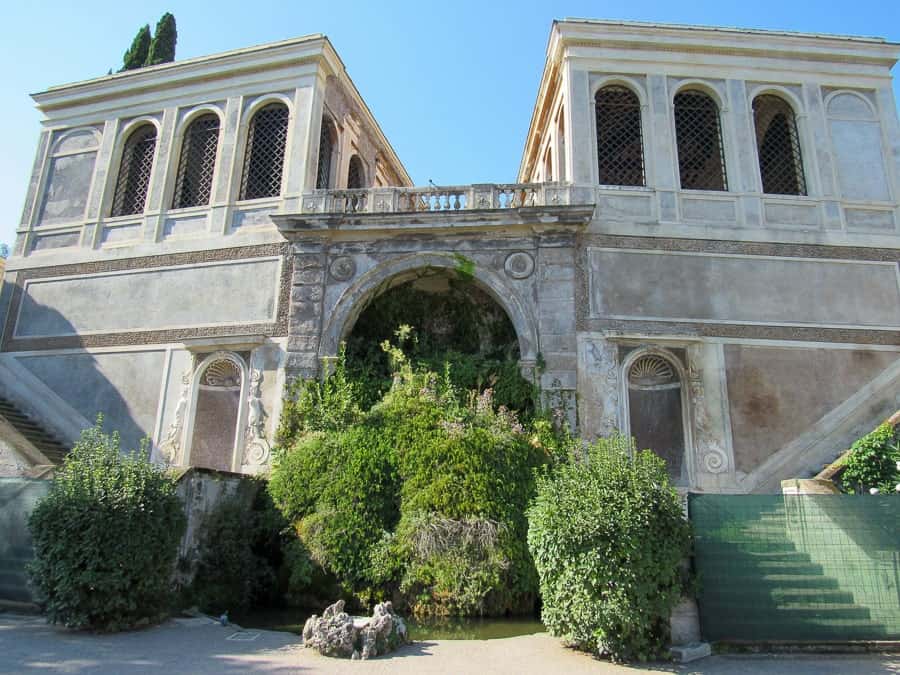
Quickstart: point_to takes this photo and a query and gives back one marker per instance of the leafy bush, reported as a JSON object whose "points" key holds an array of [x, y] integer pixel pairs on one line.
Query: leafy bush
{"points": [[363, 497], [106, 537], [608, 536], [240, 553], [873, 462]]}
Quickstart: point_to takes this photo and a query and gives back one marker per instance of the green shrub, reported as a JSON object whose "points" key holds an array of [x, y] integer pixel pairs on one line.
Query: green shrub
{"points": [[873, 462], [106, 537], [362, 498], [240, 552], [608, 535]]}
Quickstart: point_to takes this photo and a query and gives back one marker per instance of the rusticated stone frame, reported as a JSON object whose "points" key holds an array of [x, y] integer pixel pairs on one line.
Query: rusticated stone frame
{"points": [[278, 328], [354, 299], [728, 330]]}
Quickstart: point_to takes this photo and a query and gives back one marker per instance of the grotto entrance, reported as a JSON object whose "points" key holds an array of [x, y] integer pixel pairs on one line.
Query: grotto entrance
{"points": [[453, 323]]}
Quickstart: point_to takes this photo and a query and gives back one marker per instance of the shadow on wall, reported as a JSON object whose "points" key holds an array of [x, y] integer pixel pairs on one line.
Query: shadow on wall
{"points": [[116, 384]]}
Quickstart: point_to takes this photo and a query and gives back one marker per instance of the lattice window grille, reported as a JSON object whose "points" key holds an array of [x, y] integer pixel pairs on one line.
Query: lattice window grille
{"points": [[193, 183], [326, 153], [134, 172], [355, 174], [701, 153], [778, 146], [264, 159], [620, 143]]}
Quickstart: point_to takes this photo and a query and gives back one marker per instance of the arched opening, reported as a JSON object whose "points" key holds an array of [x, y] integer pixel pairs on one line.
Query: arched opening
{"points": [[356, 176], [218, 407], [134, 172], [327, 148], [656, 411], [620, 143], [453, 320], [698, 132], [778, 146]]}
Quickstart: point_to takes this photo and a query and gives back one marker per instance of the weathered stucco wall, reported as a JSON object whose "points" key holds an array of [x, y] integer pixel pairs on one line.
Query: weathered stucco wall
{"points": [[776, 394]]}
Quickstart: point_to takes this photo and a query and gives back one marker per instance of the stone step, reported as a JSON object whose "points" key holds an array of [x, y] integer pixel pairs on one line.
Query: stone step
{"points": [[742, 596], [33, 431], [791, 611]]}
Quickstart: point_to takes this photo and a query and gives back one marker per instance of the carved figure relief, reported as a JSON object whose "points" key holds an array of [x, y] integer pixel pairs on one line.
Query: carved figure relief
{"points": [[256, 452], [171, 446], [605, 362], [712, 456]]}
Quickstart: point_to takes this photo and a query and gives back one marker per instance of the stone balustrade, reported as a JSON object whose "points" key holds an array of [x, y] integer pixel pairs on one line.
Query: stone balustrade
{"points": [[482, 196]]}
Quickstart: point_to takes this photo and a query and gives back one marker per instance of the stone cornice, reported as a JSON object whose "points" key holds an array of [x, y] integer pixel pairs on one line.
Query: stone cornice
{"points": [[180, 73], [536, 219]]}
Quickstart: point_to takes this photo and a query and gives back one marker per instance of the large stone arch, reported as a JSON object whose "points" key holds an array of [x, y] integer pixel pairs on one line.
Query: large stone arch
{"points": [[355, 298]]}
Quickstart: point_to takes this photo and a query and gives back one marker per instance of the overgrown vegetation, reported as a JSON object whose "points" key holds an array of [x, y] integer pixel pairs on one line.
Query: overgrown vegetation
{"points": [[241, 553], [106, 537], [608, 536], [420, 499], [873, 462], [451, 322], [150, 50]]}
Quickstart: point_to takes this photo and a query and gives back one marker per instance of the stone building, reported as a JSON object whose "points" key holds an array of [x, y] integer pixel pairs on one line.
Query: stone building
{"points": [[702, 248]]}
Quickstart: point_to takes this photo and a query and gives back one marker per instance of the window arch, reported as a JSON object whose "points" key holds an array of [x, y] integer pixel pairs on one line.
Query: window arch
{"points": [[264, 156], [193, 182], [620, 143], [698, 131], [778, 146], [327, 145], [656, 411], [134, 172], [356, 175]]}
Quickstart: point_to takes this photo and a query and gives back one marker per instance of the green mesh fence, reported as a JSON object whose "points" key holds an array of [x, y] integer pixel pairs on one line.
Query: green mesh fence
{"points": [[798, 567], [18, 497]]}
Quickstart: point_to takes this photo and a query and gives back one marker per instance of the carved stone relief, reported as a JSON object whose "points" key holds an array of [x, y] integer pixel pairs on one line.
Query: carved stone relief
{"points": [[342, 268], [708, 448], [603, 361], [256, 450], [519, 265], [171, 446]]}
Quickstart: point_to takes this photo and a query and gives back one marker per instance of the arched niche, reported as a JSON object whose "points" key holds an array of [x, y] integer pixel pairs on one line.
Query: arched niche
{"points": [[214, 432], [656, 408]]}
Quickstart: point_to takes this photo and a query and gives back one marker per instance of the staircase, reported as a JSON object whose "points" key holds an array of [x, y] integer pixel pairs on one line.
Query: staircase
{"points": [[18, 497], [49, 446], [756, 586]]}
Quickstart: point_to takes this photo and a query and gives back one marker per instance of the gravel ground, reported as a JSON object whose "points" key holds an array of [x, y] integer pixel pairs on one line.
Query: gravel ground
{"points": [[199, 645]]}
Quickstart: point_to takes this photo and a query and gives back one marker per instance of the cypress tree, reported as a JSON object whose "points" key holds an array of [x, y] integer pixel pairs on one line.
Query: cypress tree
{"points": [[162, 48], [137, 53]]}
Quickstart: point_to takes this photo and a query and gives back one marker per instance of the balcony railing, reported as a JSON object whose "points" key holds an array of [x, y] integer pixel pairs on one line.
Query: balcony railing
{"points": [[436, 199]]}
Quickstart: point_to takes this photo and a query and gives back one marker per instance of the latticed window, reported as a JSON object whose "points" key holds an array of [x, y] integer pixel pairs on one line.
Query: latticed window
{"points": [[701, 154], [355, 174], [264, 159], [193, 183], [620, 145], [327, 140], [778, 146], [134, 172]]}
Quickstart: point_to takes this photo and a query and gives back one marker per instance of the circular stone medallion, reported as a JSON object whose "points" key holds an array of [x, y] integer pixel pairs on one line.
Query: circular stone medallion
{"points": [[342, 268], [519, 265]]}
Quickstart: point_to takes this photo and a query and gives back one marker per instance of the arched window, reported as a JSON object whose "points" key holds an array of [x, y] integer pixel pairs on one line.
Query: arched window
{"points": [[778, 146], [264, 158], [134, 172], [701, 154], [655, 411], [193, 182], [327, 142], [620, 145], [355, 174]]}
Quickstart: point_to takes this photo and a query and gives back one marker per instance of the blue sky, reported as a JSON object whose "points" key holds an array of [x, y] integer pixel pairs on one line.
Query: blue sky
{"points": [[452, 84]]}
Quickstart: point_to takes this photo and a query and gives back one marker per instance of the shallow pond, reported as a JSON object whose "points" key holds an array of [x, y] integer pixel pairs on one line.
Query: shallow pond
{"points": [[292, 620]]}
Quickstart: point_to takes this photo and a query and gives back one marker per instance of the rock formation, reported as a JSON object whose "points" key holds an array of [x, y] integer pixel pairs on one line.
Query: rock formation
{"points": [[338, 634]]}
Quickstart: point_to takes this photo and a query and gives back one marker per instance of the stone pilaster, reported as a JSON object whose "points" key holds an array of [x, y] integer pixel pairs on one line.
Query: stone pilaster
{"points": [[305, 319]]}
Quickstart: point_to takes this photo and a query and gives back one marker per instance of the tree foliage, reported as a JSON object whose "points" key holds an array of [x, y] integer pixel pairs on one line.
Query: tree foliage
{"points": [[106, 537], [162, 47], [149, 50], [608, 536], [136, 56]]}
